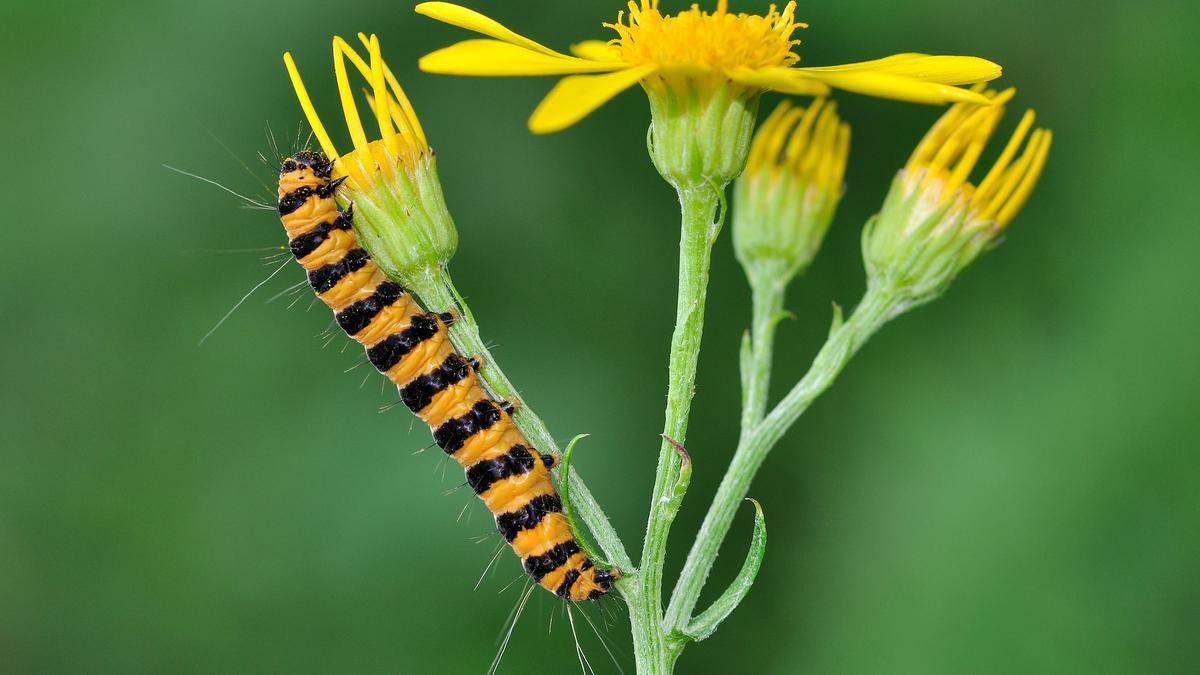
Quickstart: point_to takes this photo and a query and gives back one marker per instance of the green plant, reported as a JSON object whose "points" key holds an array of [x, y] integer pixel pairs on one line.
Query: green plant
{"points": [[933, 224]]}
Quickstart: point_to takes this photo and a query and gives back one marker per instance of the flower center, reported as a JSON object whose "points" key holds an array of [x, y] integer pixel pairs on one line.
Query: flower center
{"points": [[716, 41]]}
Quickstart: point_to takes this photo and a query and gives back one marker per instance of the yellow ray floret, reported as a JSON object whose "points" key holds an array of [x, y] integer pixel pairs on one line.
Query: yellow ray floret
{"points": [[810, 144], [944, 159], [754, 51], [401, 138]]}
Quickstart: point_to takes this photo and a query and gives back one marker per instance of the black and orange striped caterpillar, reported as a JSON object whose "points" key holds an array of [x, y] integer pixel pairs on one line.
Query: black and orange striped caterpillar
{"points": [[411, 347]]}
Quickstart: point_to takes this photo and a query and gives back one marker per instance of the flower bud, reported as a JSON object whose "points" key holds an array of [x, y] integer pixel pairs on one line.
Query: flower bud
{"points": [[400, 213], [403, 221], [934, 223], [786, 198]]}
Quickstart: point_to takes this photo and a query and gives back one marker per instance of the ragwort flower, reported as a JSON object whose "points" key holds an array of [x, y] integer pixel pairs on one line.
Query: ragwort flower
{"points": [[703, 72], [707, 48]]}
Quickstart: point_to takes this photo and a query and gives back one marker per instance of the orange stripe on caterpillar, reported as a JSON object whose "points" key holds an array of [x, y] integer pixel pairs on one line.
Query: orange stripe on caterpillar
{"points": [[411, 347]]}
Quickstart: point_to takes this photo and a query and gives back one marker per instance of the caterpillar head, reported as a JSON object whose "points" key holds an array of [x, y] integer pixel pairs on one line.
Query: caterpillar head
{"points": [[314, 163], [306, 191], [602, 581]]}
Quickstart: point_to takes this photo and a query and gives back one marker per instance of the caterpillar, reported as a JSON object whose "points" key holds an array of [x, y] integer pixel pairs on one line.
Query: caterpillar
{"points": [[411, 347]]}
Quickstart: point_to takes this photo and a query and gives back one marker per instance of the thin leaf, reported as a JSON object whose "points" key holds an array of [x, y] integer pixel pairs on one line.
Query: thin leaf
{"points": [[564, 490], [837, 319], [746, 361], [685, 472], [703, 625]]}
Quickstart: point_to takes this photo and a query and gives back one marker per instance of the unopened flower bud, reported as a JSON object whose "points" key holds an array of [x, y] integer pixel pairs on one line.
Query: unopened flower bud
{"points": [[934, 223], [786, 198]]}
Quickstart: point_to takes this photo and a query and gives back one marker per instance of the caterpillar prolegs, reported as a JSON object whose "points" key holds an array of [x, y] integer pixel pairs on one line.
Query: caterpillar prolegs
{"points": [[411, 348]]}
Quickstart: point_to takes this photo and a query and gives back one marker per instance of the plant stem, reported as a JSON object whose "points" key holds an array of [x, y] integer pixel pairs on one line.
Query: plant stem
{"points": [[767, 290], [439, 295], [654, 652], [875, 309]]}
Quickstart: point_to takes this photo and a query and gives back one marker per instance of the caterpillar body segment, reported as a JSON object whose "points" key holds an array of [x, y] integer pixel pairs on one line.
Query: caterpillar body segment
{"points": [[411, 347]]}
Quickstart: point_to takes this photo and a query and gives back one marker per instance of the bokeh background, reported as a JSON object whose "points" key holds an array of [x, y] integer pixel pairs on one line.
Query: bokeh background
{"points": [[1007, 481]]}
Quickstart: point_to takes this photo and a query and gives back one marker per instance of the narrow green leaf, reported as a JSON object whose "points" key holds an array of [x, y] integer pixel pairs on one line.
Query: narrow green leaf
{"points": [[746, 362], [837, 319], [782, 314], [704, 624], [685, 472], [564, 491]]}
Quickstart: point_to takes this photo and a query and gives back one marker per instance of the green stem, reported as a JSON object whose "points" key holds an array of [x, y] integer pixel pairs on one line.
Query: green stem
{"points": [[875, 309], [438, 294], [767, 290], [654, 651]]}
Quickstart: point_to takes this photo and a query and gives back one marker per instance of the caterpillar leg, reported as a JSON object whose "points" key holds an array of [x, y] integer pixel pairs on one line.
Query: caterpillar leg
{"points": [[549, 460]]}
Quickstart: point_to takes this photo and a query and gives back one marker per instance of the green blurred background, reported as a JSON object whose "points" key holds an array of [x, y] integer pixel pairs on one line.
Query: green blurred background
{"points": [[1006, 481]]}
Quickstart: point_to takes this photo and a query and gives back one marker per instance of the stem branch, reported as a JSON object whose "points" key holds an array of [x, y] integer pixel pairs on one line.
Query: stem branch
{"points": [[767, 290], [875, 309]]}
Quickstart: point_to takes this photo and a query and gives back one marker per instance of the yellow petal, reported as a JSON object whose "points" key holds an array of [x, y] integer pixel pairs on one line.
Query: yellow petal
{"points": [[306, 105], [886, 85], [874, 63], [402, 110], [574, 97], [596, 50], [939, 69], [495, 58], [1010, 150], [783, 80], [349, 108], [472, 20], [1030, 179]]}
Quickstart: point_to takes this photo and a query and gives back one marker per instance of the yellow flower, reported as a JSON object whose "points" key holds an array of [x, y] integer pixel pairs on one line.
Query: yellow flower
{"points": [[935, 222], [399, 211], [706, 49]]}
